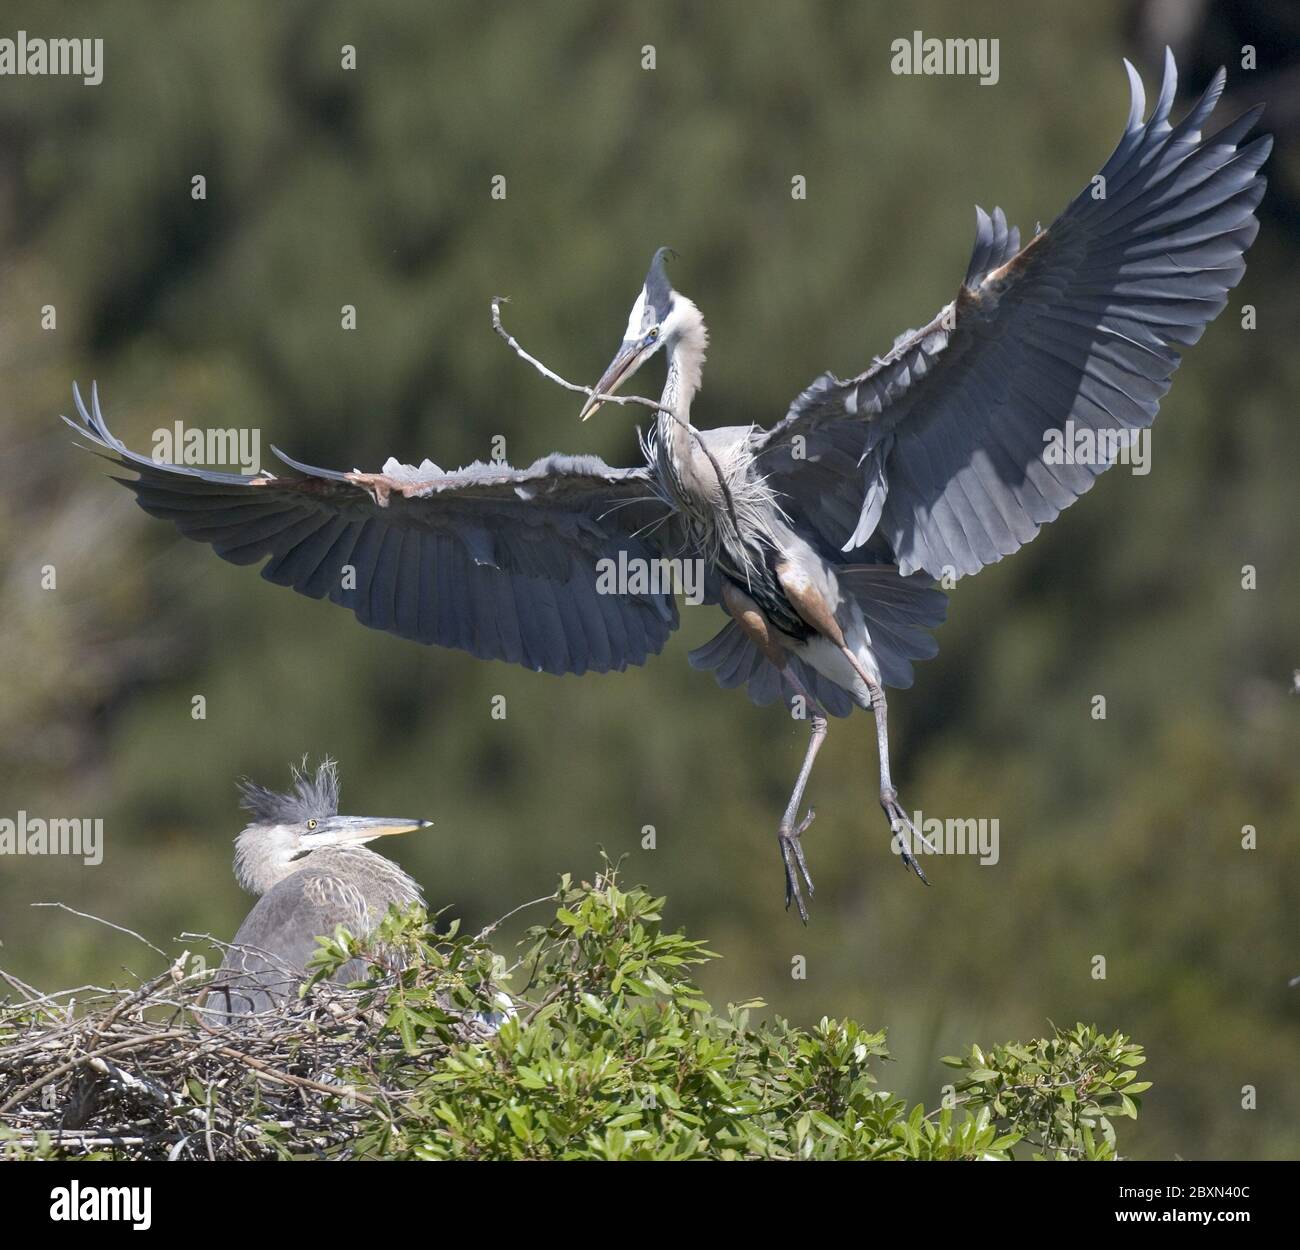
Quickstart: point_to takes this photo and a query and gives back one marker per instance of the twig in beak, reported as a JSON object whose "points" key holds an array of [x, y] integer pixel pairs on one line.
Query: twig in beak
{"points": [[513, 343], [497, 301]]}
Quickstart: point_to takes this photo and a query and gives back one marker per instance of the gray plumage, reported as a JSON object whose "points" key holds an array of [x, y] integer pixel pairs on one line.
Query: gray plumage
{"points": [[937, 449], [313, 873], [819, 536]]}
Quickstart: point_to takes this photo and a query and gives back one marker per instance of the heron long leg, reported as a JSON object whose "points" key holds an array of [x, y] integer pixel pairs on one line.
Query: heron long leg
{"points": [[899, 822], [788, 834], [755, 625]]}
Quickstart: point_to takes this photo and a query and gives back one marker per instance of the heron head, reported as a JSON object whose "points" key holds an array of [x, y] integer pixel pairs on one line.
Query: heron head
{"points": [[316, 833], [658, 316], [286, 828]]}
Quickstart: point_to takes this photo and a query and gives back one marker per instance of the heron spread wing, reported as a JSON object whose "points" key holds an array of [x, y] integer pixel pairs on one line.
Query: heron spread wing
{"points": [[939, 448], [503, 563]]}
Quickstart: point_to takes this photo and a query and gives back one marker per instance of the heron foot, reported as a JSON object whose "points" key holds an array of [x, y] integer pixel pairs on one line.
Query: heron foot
{"points": [[901, 826], [791, 842]]}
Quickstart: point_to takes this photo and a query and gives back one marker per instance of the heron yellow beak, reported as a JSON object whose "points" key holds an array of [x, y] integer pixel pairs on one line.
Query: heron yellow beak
{"points": [[387, 828], [354, 830], [626, 362]]}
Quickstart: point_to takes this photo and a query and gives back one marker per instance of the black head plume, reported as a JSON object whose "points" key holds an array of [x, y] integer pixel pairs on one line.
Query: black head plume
{"points": [[310, 798], [658, 290]]}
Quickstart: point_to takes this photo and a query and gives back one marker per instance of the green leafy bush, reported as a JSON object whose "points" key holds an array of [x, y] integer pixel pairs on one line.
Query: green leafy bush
{"points": [[594, 1044], [611, 1053]]}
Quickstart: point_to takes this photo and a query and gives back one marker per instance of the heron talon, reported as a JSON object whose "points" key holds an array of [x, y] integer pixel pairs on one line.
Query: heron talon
{"points": [[796, 866], [898, 823]]}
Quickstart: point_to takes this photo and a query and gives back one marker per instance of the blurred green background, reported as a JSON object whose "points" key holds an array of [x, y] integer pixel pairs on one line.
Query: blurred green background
{"points": [[1120, 837]]}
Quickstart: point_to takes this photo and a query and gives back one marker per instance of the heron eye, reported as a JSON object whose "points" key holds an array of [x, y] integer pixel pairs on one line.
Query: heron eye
{"points": [[653, 333], [311, 824]]}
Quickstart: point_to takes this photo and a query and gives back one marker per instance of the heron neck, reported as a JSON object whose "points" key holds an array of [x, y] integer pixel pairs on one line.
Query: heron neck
{"points": [[685, 363], [265, 856]]}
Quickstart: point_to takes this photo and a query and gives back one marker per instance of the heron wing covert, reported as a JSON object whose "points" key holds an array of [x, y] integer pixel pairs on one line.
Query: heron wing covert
{"points": [[500, 562], [939, 446]]}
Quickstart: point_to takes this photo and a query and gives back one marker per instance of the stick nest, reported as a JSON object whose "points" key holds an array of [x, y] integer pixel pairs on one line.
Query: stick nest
{"points": [[153, 1071]]}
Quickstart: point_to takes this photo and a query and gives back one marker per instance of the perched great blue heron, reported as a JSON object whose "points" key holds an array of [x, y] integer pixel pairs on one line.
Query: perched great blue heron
{"points": [[820, 536], [312, 869]]}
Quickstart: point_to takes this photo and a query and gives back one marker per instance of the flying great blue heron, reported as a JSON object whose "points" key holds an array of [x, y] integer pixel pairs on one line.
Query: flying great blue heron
{"points": [[312, 869], [820, 537]]}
